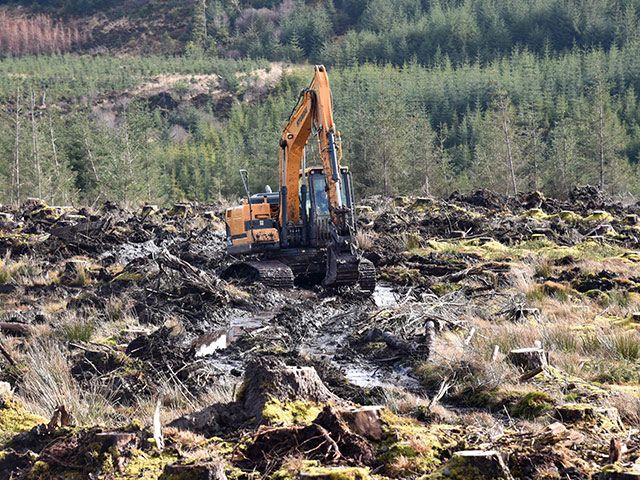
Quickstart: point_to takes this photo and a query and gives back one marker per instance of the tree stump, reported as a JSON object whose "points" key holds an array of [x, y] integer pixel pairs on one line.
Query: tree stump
{"points": [[529, 358], [615, 450], [269, 378], [477, 464], [330, 437], [364, 421]]}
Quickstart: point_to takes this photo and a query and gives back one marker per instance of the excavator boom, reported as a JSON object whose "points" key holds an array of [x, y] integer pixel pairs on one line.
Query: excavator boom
{"points": [[313, 113]]}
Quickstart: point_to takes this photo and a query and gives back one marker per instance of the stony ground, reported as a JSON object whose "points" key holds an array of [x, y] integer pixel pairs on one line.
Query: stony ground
{"points": [[501, 342]]}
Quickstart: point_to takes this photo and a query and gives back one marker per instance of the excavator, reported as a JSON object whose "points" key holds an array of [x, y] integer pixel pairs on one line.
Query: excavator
{"points": [[303, 234]]}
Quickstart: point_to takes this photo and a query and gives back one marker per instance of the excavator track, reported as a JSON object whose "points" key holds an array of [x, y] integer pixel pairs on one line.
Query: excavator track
{"points": [[345, 272], [271, 273], [367, 271]]}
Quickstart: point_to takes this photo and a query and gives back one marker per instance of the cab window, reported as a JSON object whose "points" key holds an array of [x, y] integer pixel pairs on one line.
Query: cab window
{"points": [[320, 195]]}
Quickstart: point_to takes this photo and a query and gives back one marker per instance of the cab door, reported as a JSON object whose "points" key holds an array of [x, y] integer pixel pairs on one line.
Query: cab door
{"points": [[319, 218]]}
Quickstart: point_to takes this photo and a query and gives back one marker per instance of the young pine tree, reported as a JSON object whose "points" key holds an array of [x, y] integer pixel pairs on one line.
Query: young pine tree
{"points": [[605, 139], [498, 152]]}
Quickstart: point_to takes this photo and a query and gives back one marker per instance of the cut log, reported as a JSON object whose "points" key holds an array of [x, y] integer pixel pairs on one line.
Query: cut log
{"points": [[529, 359], [477, 464], [212, 470], [16, 328]]}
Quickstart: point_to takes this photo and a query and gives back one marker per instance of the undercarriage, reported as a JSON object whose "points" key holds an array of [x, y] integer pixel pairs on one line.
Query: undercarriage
{"points": [[304, 267]]}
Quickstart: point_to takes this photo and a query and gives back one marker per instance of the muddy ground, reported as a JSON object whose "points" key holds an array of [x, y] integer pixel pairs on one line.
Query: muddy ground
{"points": [[502, 341]]}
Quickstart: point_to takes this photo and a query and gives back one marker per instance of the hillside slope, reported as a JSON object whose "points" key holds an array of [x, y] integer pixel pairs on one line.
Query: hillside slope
{"points": [[344, 31], [119, 26]]}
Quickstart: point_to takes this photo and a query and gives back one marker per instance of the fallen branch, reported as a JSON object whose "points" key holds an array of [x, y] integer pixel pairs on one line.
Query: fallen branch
{"points": [[6, 355], [15, 328], [529, 375], [442, 391]]}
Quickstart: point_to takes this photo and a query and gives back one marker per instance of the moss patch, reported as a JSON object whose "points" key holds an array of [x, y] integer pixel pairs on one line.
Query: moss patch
{"points": [[532, 405], [14, 419], [297, 412], [129, 277], [490, 249], [145, 465], [599, 216], [410, 447], [312, 469]]}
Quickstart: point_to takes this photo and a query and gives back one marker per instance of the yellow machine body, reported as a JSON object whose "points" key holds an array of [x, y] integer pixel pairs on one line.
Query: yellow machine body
{"points": [[251, 227]]}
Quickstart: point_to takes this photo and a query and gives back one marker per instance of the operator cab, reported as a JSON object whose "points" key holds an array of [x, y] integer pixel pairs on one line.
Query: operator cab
{"points": [[316, 204]]}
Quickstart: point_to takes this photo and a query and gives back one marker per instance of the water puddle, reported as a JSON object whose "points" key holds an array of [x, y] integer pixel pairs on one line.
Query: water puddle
{"points": [[132, 251], [384, 296], [220, 339], [365, 377], [246, 323]]}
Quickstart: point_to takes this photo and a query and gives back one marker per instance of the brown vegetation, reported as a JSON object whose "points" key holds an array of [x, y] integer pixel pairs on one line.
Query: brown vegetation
{"points": [[36, 34]]}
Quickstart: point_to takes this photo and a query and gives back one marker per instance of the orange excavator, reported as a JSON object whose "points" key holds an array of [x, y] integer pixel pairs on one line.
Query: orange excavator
{"points": [[304, 233]]}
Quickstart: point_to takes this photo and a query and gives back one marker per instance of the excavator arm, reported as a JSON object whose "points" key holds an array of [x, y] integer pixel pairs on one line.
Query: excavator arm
{"points": [[312, 114]]}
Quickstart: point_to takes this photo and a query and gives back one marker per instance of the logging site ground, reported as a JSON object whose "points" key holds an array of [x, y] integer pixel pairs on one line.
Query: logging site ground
{"points": [[501, 341]]}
